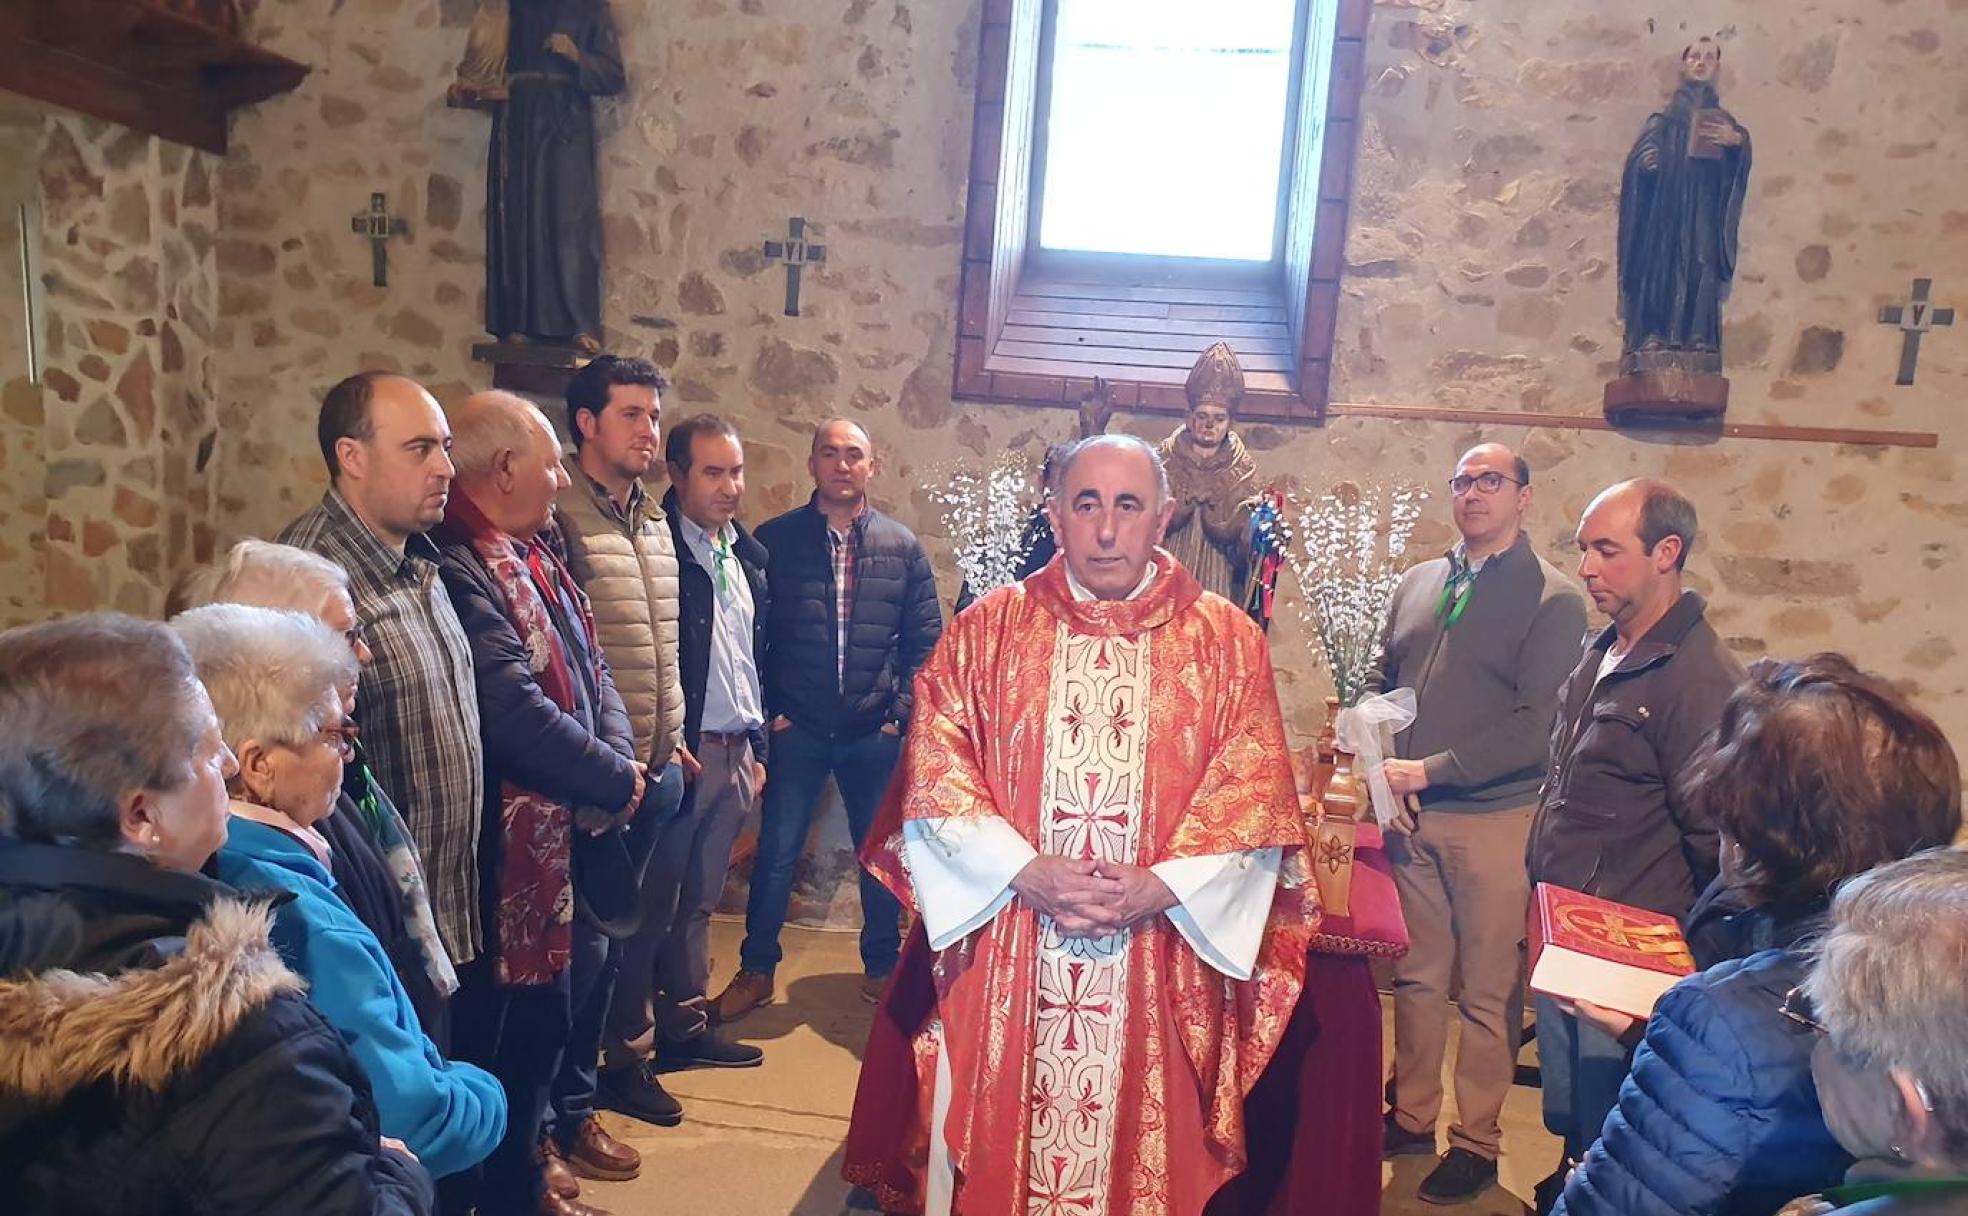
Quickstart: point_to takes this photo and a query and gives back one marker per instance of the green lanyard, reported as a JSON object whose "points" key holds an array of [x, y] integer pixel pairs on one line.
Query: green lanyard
{"points": [[1449, 606], [720, 558]]}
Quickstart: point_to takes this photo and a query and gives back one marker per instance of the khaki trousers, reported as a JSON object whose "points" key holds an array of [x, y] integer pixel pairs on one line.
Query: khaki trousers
{"points": [[666, 966], [1465, 894]]}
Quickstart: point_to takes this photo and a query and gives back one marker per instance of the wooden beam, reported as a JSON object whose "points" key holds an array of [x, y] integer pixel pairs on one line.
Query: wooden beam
{"points": [[1593, 422]]}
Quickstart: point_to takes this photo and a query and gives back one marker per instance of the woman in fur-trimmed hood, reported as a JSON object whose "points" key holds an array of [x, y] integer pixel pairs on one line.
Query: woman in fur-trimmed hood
{"points": [[155, 1054]]}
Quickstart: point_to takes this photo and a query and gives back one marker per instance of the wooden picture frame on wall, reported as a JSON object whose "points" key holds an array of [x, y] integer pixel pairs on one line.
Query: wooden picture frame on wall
{"points": [[1035, 330]]}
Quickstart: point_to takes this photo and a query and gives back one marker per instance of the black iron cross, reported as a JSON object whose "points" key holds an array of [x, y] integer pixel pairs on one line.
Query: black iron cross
{"points": [[795, 252], [378, 225], [1914, 318]]}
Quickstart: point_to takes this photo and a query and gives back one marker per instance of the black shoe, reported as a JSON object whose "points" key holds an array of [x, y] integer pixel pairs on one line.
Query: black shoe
{"points": [[1398, 1141], [1545, 1195], [1461, 1177], [637, 1093], [707, 1050]]}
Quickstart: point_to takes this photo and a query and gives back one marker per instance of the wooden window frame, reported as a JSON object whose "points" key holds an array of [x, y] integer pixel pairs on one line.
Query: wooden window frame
{"points": [[1302, 286]]}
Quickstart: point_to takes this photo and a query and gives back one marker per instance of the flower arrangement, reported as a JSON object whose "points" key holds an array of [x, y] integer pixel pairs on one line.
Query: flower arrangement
{"points": [[986, 514], [1345, 551]]}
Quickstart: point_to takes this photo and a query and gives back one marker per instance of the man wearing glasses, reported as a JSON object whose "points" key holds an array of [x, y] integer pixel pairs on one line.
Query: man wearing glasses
{"points": [[1485, 636]]}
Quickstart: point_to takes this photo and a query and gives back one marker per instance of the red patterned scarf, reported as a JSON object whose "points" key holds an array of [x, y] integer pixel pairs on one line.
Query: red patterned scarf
{"points": [[535, 883]]}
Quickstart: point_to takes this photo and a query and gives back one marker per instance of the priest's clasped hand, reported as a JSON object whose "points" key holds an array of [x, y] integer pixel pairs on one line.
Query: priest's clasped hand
{"points": [[1086, 898]]}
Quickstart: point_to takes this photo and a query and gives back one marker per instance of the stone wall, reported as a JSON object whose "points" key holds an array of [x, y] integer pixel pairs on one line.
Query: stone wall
{"points": [[108, 467], [1480, 269], [1480, 265], [299, 309], [23, 506], [1481, 276]]}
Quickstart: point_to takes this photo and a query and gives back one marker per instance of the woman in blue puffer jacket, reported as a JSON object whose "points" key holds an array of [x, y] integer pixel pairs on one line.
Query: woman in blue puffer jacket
{"points": [[1817, 773]]}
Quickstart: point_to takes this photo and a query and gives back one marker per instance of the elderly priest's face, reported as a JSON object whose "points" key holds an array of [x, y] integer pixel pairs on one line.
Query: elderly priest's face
{"points": [[1109, 516]]}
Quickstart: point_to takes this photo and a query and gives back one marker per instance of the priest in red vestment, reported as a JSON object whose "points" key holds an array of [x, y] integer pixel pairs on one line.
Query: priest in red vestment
{"points": [[1096, 825]]}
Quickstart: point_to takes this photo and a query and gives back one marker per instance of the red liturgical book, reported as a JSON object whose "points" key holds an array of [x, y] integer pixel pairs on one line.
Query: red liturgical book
{"points": [[1588, 949]]}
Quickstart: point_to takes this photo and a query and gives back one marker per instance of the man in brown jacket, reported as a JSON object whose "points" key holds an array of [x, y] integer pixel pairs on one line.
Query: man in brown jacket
{"points": [[1615, 819], [620, 551]]}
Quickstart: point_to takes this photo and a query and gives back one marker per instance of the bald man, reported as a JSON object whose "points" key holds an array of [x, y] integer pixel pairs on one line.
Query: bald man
{"points": [[566, 820], [853, 615], [387, 447], [1091, 824], [1615, 820], [1484, 635]]}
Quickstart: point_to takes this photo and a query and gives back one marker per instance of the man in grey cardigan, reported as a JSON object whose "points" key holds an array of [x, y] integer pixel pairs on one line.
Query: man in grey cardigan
{"points": [[1485, 636]]}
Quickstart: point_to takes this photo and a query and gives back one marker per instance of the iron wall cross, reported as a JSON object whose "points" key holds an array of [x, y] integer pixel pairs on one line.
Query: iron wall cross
{"points": [[795, 252], [1914, 318], [378, 226]]}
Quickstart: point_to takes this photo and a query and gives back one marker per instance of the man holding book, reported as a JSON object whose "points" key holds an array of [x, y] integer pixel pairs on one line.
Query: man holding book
{"points": [[1615, 820], [1485, 636]]}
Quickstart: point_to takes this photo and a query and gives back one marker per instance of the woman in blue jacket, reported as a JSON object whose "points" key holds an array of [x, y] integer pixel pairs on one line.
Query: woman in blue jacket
{"points": [[277, 681], [1817, 773]]}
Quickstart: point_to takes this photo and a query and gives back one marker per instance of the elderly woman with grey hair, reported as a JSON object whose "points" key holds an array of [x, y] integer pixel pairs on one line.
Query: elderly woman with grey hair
{"points": [[276, 680], [1888, 995], [156, 1055], [374, 860]]}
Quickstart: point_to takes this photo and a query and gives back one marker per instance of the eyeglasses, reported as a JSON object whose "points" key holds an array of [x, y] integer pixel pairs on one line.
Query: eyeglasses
{"points": [[1796, 1008], [340, 740], [1488, 483]]}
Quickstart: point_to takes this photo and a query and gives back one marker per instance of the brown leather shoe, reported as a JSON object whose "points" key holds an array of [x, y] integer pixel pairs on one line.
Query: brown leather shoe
{"points": [[596, 1154], [560, 1180], [746, 992], [872, 987], [554, 1205]]}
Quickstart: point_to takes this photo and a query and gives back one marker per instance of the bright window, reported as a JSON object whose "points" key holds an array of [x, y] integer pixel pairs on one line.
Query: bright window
{"points": [[1165, 127]]}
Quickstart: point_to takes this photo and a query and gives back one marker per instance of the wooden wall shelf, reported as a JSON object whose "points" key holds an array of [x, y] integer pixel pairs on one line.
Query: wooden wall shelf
{"points": [[127, 62]]}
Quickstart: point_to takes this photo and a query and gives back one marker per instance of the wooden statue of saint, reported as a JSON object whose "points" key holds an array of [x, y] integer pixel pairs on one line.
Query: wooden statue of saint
{"points": [[1212, 478], [542, 189], [1681, 204]]}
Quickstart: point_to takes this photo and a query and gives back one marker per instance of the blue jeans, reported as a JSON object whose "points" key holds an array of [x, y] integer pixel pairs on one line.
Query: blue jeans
{"points": [[597, 962], [1582, 1070], [797, 764]]}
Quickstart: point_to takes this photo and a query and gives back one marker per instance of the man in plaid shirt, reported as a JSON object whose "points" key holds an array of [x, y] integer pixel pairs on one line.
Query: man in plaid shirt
{"points": [[387, 446], [853, 614]]}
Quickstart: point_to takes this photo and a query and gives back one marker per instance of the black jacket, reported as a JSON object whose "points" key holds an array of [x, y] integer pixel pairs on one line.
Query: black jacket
{"points": [[697, 602], [364, 881], [1615, 820], [894, 623], [583, 758], [184, 1072]]}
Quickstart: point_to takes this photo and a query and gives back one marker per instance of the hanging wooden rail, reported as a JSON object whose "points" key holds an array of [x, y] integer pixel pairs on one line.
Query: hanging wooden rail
{"points": [[1591, 422]]}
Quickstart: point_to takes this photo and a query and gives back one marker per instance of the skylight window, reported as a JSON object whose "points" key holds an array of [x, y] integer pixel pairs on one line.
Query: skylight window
{"points": [[1165, 127]]}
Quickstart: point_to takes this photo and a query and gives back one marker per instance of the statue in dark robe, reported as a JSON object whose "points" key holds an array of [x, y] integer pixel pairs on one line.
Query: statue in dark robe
{"points": [[542, 191], [1681, 203]]}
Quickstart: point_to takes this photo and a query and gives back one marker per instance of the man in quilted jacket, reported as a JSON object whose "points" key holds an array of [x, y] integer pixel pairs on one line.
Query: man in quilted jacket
{"points": [[620, 552]]}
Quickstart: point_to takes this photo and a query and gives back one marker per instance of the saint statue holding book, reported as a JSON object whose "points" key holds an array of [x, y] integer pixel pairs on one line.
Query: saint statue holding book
{"points": [[1681, 203]]}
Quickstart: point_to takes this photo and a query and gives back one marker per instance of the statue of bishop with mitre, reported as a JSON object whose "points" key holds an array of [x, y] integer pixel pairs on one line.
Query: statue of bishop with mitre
{"points": [[1212, 478]]}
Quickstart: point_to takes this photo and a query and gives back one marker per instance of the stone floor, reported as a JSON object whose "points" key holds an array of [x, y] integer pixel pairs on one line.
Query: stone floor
{"points": [[766, 1141]]}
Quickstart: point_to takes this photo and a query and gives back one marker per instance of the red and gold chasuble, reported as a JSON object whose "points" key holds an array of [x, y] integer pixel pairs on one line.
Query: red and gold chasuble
{"points": [[1096, 1077]]}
